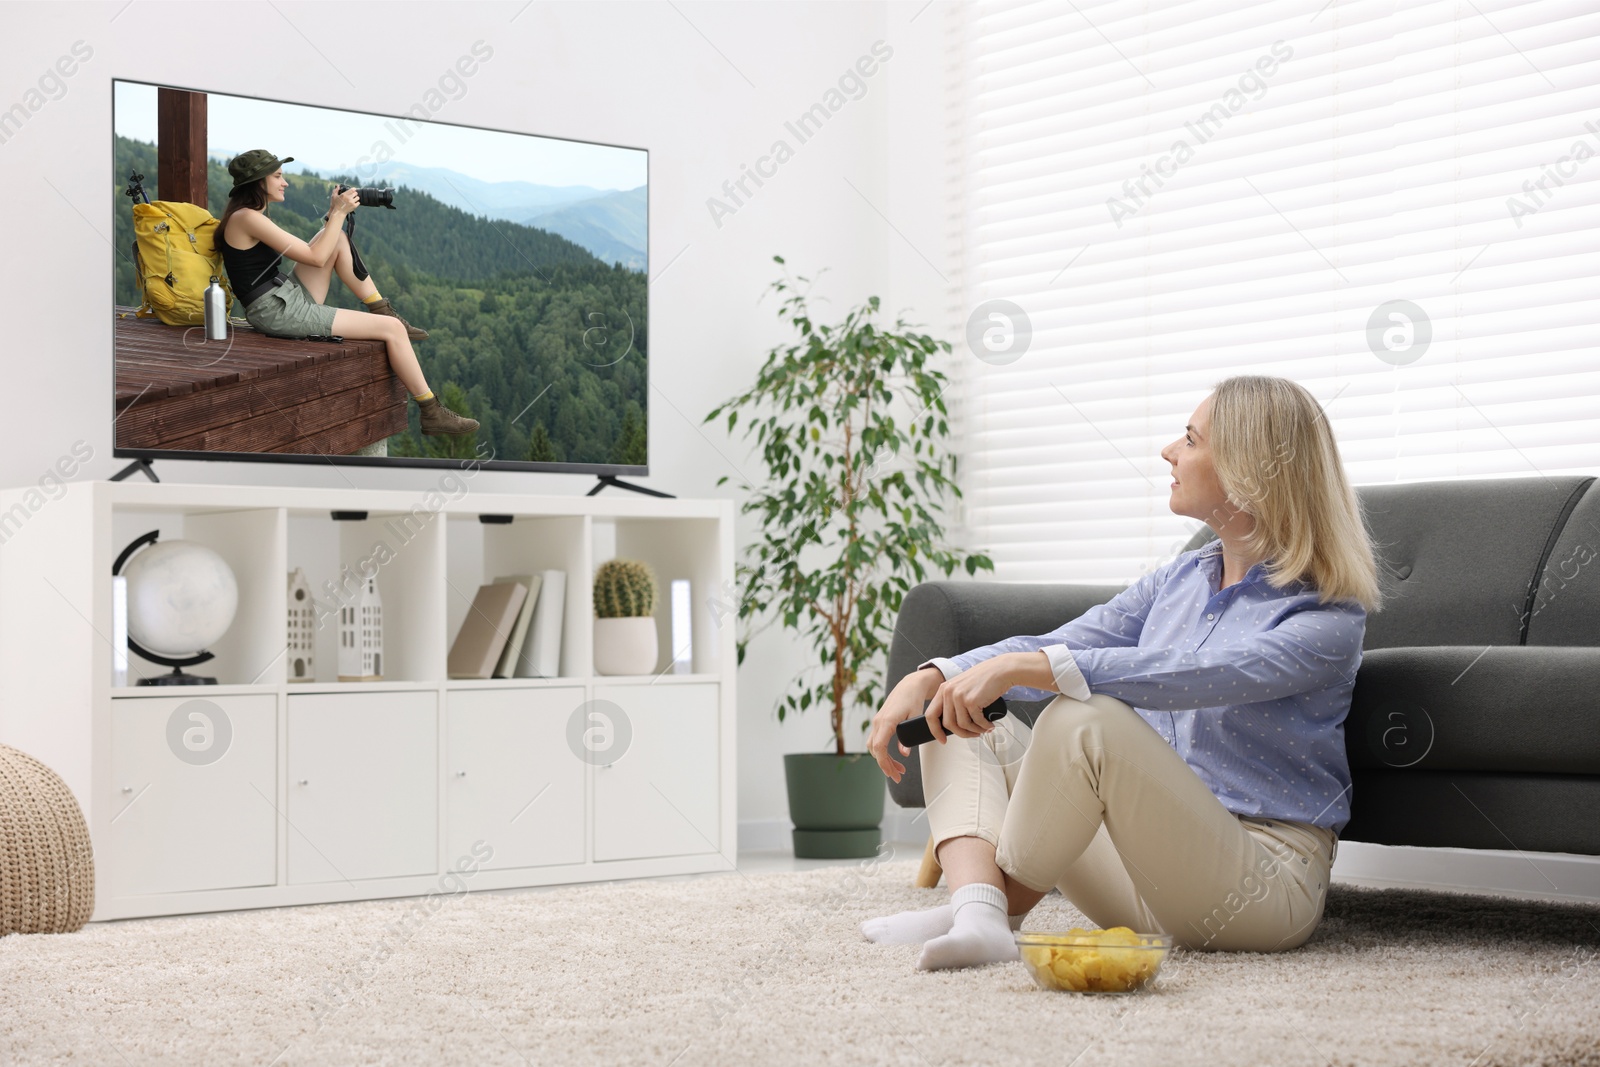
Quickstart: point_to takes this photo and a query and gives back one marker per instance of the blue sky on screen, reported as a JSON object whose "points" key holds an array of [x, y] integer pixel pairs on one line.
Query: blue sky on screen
{"points": [[325, 140]]}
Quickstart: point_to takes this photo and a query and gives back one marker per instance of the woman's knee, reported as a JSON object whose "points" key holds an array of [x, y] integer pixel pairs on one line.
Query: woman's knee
{"points": [[384, 328], [1066, 715]]}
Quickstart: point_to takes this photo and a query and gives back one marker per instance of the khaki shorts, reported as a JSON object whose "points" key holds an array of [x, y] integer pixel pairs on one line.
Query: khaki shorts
{"points": [[289, 311]]}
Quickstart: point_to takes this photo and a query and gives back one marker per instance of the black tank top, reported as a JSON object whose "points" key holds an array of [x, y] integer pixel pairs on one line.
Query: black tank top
{"points": [[250, 267]]}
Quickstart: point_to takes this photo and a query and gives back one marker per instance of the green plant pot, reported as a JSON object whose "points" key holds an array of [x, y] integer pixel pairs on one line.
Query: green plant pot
{"points": [[836, 803]]}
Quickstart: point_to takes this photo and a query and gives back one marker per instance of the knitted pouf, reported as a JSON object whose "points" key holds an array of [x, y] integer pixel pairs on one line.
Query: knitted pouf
{"points": [[46, 860]]}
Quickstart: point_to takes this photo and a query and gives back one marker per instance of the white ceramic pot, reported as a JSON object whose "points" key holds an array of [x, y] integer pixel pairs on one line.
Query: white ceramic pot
{"points": [[625, 646]]}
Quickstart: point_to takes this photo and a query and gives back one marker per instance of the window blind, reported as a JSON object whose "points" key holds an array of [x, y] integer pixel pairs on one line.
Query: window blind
{"points": [[1395, 205]]}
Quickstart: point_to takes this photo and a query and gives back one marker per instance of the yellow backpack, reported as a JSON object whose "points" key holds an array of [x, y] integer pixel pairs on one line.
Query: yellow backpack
{"points": [[175, 258]]}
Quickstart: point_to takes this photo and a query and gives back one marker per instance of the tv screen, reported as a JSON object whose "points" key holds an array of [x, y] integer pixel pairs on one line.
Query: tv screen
{"points": [[514, 267]]}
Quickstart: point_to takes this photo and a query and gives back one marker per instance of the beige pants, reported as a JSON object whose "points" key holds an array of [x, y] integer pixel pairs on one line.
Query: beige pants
{"points": [[1092, 800]]}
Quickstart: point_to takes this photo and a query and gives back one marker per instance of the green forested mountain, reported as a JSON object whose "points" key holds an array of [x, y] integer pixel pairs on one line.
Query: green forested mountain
{"points": [[527, 331]]}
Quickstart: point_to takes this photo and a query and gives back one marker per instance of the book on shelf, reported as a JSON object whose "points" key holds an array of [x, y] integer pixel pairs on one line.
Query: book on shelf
{"points": [[540, 655], [486, 630], [519, 630]]}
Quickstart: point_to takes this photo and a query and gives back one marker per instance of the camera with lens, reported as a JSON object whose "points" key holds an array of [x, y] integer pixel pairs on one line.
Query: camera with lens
{"points": [[373, 197]]}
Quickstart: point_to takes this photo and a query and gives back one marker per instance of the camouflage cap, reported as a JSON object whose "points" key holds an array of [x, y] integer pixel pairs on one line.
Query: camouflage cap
{"points": [[247, 167]]}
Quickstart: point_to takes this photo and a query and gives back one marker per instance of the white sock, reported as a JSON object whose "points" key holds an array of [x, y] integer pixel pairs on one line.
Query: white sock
{"points": [[915, 927], [979, 935]]}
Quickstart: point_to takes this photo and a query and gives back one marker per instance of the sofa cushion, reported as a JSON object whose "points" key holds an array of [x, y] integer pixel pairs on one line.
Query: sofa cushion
{"points": [[1490, 708], [1457, 560]]}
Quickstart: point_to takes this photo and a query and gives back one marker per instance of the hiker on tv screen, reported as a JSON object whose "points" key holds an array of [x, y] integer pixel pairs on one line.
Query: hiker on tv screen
{"points": [[292, 305]]}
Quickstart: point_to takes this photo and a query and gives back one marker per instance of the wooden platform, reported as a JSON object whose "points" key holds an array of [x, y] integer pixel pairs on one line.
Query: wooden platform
{"points": [[250, 393]]}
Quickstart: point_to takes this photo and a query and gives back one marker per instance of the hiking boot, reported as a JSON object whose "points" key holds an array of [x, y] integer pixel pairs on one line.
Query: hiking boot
{"points": [[383, 307], [438, 419]]}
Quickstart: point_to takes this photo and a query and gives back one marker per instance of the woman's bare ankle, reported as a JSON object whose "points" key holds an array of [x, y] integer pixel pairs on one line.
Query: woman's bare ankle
{"points": [[966, 860]]}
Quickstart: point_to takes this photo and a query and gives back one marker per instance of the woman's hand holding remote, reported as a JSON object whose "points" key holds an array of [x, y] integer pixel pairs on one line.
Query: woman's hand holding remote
{"points": [[965, 706], [919, 730], [958, 706]]}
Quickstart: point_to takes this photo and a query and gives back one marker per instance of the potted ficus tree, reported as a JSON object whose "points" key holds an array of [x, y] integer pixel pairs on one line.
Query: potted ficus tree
{"points": [[851, 422]]}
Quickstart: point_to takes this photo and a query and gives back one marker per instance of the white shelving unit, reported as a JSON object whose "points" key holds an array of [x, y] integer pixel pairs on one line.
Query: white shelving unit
{"points": [[312, 791]]}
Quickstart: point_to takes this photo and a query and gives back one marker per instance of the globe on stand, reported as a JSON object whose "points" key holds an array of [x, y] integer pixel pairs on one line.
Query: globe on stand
{"points": [[182, 596]]}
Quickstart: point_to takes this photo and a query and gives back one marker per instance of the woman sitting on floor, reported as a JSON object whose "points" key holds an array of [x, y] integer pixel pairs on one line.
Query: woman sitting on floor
{"points": [[1190, 776]]}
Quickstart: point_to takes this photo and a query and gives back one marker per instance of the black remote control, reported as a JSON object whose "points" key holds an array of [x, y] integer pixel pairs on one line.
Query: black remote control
{"points": [[913, 732]]}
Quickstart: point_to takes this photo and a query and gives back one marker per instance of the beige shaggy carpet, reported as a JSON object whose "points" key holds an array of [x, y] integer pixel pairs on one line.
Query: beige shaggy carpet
{"points": [[769, 969]]}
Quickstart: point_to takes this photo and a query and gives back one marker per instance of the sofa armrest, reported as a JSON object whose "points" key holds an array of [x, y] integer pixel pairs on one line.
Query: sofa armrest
{"points": [[1507, 708], [949, 618]]}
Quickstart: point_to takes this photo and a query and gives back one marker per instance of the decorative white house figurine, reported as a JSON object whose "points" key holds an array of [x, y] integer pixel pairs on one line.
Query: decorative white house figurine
{"points": [[302, 631], [361, 636]]}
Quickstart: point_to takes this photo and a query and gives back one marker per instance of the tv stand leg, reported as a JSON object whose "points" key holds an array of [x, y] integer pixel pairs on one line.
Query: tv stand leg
{"points": [[612, 479], [136, 467]]}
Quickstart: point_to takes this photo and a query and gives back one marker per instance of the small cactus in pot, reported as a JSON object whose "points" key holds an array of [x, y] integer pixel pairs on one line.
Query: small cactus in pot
{"points": [[624, 589], [624, 626]]}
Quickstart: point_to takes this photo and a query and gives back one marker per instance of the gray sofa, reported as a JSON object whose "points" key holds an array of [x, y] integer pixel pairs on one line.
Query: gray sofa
{"points": [[1475, 721]]}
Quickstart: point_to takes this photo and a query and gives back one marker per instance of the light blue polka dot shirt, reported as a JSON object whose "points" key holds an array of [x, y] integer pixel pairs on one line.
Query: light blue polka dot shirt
{"points": [[1251, 685]]}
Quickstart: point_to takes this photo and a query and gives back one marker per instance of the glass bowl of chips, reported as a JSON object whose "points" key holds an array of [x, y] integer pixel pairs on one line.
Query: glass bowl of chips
{"points": [[1117, 960]]}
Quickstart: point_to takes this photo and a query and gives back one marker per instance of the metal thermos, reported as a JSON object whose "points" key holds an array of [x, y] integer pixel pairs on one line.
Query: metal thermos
{"points": [[216, 312]]}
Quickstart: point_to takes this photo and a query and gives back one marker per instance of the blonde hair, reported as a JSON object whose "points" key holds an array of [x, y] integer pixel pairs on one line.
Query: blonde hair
{"points": [[1276, 458]]}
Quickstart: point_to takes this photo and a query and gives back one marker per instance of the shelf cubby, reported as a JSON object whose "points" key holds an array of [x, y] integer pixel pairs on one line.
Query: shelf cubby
{"points": [[251, 652], [481, 552], [677, 548], [405, 551]]}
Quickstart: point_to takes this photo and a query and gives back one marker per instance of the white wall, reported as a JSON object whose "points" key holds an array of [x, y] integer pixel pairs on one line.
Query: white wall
{"points": [[705, 87]]}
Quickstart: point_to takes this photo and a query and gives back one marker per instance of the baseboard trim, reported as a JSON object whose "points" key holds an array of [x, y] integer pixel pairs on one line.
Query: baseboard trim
{"points": [[1559, 876]]}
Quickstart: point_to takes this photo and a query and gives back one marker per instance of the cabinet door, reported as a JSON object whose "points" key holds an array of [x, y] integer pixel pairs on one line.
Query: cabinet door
{"points": [[659, 795], [194, 788], [363, 776], [510, 779]]}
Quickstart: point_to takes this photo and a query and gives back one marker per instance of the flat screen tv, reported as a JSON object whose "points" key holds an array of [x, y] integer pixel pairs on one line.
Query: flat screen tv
{"points": [[522, 258]]}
